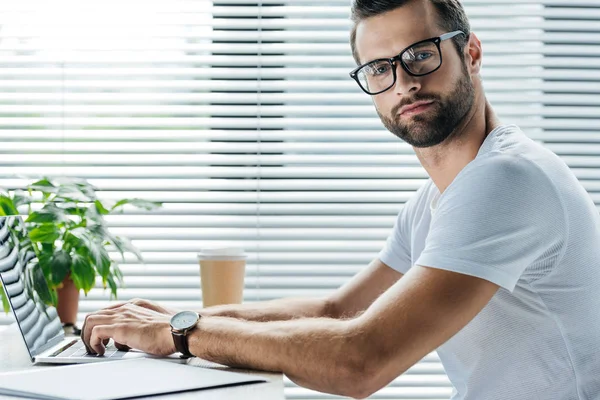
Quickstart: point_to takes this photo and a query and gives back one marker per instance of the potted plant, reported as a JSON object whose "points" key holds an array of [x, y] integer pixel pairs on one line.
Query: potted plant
{"points": [[4, 300], [67, 232]]}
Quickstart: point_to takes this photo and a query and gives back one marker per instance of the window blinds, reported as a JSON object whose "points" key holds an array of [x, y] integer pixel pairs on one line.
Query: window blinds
{"points": [[240, 117]]}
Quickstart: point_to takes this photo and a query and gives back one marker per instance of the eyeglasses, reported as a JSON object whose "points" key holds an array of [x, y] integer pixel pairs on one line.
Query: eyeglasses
{"points": [[418, 59]]}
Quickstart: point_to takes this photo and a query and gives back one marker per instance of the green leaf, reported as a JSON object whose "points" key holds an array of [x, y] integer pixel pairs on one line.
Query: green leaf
{"points": [[45, 259], [71, 208], [75, 238], [60, 265], [139, 203], [5, 304], [57, 213], [93, 249], [75, 189], [7, 207], [86, 189], [100, 208], [99, 232], [72, 193], [45, 216], [100, 259], [54, 295], [41, 285], [45, 233], [124, 245], [117, 242], [48, 248], [118, 273], [19, 200], [113, 287], [92, 215], [43, 185], [82, 272]]}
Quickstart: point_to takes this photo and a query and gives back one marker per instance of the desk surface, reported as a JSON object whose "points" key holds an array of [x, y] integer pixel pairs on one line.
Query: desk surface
{"points": [[14, 356]]}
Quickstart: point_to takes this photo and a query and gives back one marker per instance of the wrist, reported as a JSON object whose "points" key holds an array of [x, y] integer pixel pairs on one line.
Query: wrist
{"points": [[171, 349], [194, 340], [182, 324]]}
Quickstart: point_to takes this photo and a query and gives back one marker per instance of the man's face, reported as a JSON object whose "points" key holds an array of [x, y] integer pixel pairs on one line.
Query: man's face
{"points": [[449, 89]]}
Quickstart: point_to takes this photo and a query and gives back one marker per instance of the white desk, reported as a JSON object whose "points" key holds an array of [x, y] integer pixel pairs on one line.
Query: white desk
{"points": [[14, 356]]}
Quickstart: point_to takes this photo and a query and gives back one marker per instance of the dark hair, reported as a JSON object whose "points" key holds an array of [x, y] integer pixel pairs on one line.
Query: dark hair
{"points": [[451, 17]]}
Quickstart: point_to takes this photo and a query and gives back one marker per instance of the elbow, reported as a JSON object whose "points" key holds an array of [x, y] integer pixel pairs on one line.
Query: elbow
{"points": [[362, 386], [358, 382], [361, 368], [329, 309]]}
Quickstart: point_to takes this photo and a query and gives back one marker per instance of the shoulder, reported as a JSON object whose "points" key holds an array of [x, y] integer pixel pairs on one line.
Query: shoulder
{"points": [[502, 184], [501, 171]]}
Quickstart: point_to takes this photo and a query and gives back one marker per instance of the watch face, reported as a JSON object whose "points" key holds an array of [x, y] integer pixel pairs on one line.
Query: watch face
{"points": [[184, 320]]}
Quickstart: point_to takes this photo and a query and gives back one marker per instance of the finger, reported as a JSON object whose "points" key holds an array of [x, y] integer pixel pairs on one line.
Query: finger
{"points": [[99, 334], [122, 347], [136, 302], [134, 309], [147, 304], [105, 342], [116, 305], [84, 335], [92, 320], [126, 311]]}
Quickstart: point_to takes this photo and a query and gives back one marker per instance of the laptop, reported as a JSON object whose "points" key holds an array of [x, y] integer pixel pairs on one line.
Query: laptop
{"points": [[42, 332]]}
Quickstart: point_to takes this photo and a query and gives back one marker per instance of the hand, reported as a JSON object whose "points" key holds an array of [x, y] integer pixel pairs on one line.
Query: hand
{"points": [[130, 326], [138, 302], [150, 305]]}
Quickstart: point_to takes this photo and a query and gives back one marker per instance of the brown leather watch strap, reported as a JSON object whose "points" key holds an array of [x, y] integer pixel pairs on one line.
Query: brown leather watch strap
{"points": [[181, 343]]}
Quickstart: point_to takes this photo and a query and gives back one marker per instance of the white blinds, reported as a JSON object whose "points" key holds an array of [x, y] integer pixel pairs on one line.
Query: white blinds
{"points": [[240, 116]]}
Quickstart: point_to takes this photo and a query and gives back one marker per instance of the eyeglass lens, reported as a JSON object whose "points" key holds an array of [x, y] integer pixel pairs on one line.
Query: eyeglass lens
{"points": [[419, 59]]}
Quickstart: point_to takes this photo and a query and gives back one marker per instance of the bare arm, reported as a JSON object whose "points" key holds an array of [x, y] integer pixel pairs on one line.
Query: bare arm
{"points": [[418, 314], [347, 302], [317, 353], [273, 310], [353, 357], [362, 290]]}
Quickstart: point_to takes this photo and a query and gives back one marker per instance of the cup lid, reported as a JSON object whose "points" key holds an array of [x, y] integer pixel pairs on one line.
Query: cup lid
{"points": [[222, 252]]}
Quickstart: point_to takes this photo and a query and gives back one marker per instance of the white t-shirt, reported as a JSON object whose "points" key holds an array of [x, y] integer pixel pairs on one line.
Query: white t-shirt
{"points": [[516, 216]]}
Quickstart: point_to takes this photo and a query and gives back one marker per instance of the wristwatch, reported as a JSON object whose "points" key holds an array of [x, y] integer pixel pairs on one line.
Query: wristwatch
{"points": [[182, 323]]}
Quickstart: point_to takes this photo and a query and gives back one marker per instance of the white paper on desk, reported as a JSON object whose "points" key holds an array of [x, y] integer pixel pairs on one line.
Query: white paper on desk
{"points": [[121, 379]]}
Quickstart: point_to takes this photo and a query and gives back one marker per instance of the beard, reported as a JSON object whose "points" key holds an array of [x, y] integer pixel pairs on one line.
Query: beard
{"points": [[435, 125]]}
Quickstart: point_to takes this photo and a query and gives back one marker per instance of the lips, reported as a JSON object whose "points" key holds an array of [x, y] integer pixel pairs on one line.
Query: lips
{"points": [[415, 108]]}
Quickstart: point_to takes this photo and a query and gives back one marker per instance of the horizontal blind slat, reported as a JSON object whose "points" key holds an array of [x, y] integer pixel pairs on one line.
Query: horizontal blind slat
{"points": [[171, 106]]}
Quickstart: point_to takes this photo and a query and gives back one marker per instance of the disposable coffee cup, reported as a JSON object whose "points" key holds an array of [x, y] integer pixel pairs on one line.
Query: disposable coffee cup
{"points": [[222, 272]]}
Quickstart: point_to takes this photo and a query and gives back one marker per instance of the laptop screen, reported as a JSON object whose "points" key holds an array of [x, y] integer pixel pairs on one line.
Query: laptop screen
{"points": [[40, 331]]}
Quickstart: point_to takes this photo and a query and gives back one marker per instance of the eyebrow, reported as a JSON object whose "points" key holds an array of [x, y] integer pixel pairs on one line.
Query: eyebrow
{"points": [[445, 36], [395, 54]]}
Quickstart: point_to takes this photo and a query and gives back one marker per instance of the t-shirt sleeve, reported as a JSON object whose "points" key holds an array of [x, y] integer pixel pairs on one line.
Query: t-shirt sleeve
{"points": [[396, 251], [499, 216]]}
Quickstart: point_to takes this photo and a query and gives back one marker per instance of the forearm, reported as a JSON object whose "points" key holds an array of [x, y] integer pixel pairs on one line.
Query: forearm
{"points": [[273, 310], [321, 354]]}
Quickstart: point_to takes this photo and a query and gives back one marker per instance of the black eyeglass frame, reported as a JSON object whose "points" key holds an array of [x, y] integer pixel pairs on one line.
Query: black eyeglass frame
{"points": [[436, 40]]}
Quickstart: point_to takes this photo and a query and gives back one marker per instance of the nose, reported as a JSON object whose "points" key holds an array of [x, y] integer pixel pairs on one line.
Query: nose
{"points": [[405, 83]]}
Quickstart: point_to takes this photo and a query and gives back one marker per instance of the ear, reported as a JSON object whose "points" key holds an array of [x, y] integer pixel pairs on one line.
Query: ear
{"points": [[473, 54]]}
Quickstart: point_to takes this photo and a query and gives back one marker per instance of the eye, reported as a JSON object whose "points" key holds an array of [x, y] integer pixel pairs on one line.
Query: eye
{"points": [[377, 69], [422, 56]]}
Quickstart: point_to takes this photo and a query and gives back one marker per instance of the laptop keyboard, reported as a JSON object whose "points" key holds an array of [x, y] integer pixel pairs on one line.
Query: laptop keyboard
{"points": [[78, 350]]}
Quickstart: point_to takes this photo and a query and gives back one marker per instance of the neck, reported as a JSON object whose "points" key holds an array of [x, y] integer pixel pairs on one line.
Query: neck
{"points": [[444, 161]]}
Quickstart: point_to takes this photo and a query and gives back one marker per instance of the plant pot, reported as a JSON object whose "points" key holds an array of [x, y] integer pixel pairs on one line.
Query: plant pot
{"points": [[68, 302]]}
